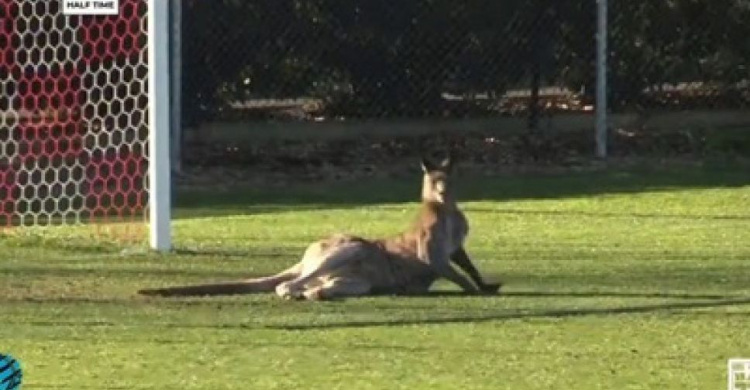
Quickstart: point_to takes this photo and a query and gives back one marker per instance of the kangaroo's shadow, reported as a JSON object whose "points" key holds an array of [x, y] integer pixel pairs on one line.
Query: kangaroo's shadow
{"points": [[611, 294], [562, 294], [452, 294], [502, 316]]}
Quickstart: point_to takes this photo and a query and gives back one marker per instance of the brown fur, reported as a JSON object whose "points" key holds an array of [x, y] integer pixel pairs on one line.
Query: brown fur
{"points": [[345, 265]]}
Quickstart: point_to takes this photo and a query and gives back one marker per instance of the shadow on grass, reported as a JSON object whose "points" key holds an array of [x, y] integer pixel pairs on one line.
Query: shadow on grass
{"points": [[717, 217], [76, 386], [316, 196], [289, 252], [216, 275], [219, 301], [697, 301], [571, 294], [561, 313]]}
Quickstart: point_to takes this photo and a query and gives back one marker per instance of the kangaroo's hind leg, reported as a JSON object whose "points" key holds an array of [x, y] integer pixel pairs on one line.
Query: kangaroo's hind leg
{"points": [[319, 264], [338, 287]]}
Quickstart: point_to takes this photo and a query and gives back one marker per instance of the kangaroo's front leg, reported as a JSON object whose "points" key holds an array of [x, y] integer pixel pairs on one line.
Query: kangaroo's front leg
{"points": [[461, 259], [438, 259]]}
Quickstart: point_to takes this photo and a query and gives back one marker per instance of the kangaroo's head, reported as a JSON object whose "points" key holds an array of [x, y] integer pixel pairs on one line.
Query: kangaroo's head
{"points": [[436, 183]]}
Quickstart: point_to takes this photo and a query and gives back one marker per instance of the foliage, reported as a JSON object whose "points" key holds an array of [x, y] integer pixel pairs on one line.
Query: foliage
{"points": [[369, 58]]}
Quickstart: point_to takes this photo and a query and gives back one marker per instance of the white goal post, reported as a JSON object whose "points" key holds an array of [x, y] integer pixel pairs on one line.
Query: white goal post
{"points": [[159, 125]]}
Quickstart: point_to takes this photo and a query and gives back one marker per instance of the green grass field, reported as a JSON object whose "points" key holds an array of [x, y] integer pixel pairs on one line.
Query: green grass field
{"points": [[622, 279]]}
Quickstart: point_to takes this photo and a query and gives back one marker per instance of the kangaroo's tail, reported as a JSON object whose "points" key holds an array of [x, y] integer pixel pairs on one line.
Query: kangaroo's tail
{"points": [[247, 286]]}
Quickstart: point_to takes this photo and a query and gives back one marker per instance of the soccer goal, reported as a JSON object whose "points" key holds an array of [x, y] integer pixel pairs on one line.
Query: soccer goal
{"points": [[84, 114]]}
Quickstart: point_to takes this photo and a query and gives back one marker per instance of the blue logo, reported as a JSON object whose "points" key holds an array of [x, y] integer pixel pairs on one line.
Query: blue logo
{"points": [[10, 373]]}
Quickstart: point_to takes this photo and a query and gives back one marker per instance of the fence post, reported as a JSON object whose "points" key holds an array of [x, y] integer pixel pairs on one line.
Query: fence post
{"points": [[175, 47], [601, 79], [159, 191]]}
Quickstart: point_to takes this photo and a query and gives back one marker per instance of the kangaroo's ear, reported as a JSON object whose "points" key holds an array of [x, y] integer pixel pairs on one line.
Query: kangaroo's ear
{"points": [[447, 163], [427, 165]]}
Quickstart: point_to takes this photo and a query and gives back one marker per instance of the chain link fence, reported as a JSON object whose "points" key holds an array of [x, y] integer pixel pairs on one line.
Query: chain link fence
{"points": [[510, 67], [679, 77], [381, 59], [328, 88], [679, 55]]}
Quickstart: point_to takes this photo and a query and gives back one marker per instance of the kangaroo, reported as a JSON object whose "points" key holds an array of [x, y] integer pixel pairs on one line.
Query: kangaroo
{"points": [[345, 265]]}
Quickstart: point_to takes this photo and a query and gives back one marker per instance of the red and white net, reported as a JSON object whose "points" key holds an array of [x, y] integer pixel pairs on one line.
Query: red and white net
{"points": [[73, 114]]}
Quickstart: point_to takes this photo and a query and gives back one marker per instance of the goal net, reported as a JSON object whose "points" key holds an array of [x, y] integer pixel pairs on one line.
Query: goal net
{"points": [[74, 123]]}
